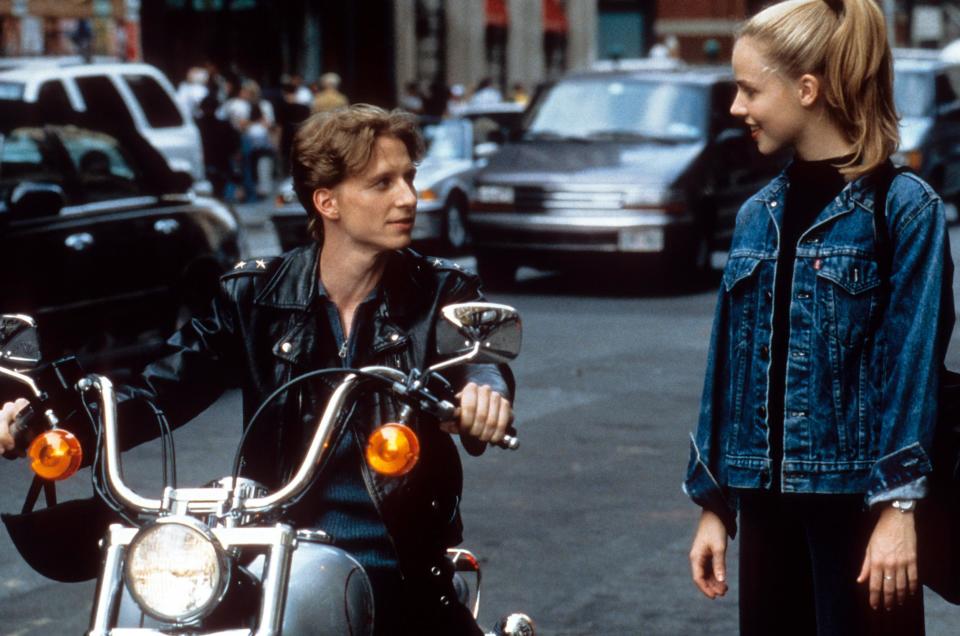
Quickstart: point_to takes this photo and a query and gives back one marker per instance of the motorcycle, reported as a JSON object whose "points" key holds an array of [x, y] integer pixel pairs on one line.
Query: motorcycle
{"points": [[221, 559]]}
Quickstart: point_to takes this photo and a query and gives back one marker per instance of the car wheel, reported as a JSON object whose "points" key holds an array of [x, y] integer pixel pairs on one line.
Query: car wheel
{"points": [[454, 226], [496, 273]]}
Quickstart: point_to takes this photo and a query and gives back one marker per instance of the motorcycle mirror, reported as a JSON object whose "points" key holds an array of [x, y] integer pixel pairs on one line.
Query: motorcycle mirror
{"points": [[19, 341], [492, 330]]}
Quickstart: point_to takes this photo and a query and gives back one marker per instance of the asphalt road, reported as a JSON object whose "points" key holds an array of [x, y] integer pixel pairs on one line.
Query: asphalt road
{"points": [[585, 527]]}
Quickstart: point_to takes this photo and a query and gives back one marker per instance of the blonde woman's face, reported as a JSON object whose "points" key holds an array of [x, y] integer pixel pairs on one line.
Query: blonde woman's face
{"points": [[765, 100]]}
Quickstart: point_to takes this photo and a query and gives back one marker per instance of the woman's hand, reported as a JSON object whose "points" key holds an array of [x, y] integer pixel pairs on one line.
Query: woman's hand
{"points": [[483, 413], [890, 564], [708, 556]]}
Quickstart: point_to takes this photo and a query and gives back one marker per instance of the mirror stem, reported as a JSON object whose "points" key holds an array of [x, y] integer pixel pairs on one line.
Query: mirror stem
{"points": [[467, 357]]}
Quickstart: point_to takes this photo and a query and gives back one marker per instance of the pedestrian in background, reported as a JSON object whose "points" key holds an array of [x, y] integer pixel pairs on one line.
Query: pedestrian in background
{"points": [[819, 404], [456, 102], [520, 94], [485, 93], [329, 97], [193, 89], [221, 144], [411, 100], [291, 112]]}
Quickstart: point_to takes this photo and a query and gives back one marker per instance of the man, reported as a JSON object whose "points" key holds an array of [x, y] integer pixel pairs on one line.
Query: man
{"points": [[355, 297], [329, 97]]}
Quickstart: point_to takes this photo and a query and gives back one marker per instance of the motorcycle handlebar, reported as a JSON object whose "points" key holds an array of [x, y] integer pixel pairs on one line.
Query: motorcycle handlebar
{"points": [[299, 482]]}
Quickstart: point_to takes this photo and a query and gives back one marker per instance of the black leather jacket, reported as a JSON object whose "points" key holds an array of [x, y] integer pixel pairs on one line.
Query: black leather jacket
{"points": [[263, 330]]}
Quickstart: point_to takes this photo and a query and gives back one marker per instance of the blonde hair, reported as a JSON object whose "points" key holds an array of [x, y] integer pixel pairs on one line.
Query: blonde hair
{"points": [[845, 43], [332, 146]]}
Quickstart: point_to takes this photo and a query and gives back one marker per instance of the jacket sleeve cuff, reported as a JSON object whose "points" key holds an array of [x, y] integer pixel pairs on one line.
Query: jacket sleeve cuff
{"points": [[916, 489], [701, 486], [905, 468]]}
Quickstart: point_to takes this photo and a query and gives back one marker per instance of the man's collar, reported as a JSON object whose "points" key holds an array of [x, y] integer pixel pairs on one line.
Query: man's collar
{"points": [[296, 283]]}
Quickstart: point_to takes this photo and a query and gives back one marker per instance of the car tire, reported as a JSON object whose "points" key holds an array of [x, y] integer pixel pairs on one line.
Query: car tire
{"points": [[454, 230], [496, 272]]}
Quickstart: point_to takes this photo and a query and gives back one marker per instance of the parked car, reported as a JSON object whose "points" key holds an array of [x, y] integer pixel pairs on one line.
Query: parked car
{"points": [[456, 148], [112, 250], [927, 93], [106, 95], [644, 169]]}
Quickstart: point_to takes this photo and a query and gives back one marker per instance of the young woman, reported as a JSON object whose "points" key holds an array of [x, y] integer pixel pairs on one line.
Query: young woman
{"points": [[820, 395]]}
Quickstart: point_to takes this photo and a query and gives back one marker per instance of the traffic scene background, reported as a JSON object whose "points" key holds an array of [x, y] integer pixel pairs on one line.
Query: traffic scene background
{"points": [[581, 157]]}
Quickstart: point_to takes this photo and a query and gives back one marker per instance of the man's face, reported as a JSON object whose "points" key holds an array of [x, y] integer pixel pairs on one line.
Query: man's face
{"points": [[374, 210]]}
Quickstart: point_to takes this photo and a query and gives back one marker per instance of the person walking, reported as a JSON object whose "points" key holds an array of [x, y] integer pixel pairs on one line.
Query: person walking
{"points": [[819, 403], [329, 97]]}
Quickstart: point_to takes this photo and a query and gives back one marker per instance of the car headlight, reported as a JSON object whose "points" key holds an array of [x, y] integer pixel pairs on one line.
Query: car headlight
{"points": [[176, 570], [494, 194]]}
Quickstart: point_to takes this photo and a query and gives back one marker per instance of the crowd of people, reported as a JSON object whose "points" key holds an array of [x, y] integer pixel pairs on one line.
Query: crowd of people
{"points": [[247, 132]]}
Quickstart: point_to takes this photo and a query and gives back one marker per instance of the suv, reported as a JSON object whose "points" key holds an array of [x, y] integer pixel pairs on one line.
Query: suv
{"points": [[640, 168], [103, 95], [927, 94], [111, 250]]}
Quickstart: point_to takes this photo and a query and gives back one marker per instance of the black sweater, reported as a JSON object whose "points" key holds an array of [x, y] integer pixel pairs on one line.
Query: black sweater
{"points": [[813, 185]]}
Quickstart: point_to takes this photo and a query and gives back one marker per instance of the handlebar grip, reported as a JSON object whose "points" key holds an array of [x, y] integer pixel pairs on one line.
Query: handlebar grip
{"points": [[22, 431]]}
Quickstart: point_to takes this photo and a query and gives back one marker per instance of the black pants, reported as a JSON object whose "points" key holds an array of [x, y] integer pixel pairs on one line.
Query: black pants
{"points": [[799, 560]]}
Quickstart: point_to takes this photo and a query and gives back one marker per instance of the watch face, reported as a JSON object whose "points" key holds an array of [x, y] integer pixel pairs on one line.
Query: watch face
{"points": [[905, 505]]}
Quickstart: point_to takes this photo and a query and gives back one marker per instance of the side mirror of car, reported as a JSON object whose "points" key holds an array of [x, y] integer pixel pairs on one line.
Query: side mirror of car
{"points": [[32, 199]]}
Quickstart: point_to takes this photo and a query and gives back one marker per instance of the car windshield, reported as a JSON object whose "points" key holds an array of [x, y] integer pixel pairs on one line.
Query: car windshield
{"points": [[446, 140], [599, 108], [913, 93]]}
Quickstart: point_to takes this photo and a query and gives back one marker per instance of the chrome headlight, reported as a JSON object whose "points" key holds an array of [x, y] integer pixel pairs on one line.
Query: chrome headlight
{"points": [[176, 570]]}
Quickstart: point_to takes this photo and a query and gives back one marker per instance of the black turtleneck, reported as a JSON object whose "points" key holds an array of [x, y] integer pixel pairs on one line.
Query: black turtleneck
{"points": [[813, 185]]}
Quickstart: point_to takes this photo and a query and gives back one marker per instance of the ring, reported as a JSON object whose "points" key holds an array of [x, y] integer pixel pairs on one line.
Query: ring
{"points": [[887, 577]]}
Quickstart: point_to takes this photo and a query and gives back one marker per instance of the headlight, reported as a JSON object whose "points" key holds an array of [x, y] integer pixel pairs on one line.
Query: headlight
{"points": [[494, 194], [176, 570]]}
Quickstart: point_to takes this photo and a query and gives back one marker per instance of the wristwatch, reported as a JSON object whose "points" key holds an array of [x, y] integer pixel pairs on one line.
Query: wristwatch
{"points": [[904, 505]]}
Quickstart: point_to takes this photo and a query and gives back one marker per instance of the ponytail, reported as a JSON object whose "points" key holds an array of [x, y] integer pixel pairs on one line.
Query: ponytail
{"points": [[845, 43]]}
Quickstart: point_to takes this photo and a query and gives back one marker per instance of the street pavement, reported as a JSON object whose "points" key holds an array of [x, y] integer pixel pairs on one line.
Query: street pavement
{"points": [[585, 527]]}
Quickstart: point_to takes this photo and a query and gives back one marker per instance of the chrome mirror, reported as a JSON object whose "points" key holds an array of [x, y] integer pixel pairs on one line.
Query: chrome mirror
{"points": [[19, 342], [479, 332]]}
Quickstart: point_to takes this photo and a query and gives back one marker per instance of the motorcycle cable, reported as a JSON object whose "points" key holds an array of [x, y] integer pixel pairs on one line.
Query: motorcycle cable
{"points": [[97, 466], [166, 436]]}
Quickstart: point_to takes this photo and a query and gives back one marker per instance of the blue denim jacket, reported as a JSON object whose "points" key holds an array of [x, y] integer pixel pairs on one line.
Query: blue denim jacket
{"points": [[864, 358]]}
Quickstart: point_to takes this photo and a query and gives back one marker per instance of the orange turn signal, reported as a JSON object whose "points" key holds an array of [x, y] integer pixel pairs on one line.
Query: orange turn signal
{"points": [[393, 450], [55, 454]]}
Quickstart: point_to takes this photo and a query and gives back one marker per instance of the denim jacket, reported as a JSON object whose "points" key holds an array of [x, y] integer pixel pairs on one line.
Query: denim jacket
{"points": [[864, 354]]}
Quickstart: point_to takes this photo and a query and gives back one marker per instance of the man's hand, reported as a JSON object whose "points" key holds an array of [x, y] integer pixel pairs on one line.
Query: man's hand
{"points": [[483, 413], [7, 416], [890, 564], [708, 556]]}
